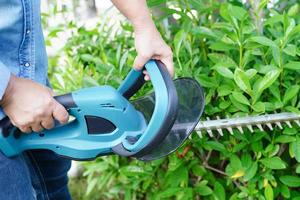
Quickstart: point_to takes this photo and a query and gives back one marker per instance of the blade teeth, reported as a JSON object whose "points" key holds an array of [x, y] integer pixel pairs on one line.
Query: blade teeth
{"points": [[230, 130], [269, 125], [279, 125], [297, 122], [220, 131], [210, 133], [199, 134], [240, 129], [250, 128], [289, 124], [260, 127]]}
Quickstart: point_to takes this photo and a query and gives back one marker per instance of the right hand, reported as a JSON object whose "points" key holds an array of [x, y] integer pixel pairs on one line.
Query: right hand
{"points": [[31, 106]]}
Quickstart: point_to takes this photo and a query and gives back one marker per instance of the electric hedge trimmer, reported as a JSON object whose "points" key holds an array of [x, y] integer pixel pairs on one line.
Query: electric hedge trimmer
{"points": [[106, 120]]}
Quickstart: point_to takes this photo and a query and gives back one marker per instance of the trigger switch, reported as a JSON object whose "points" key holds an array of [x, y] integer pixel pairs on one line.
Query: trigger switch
{"points": [[17, 133], [6, 131]]}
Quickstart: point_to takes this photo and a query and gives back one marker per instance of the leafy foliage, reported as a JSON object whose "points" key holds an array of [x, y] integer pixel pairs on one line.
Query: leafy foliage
{"points": [[246, 57]]}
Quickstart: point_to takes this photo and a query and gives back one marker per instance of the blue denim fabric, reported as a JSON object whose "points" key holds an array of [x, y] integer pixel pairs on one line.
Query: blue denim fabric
{"points": [[38, 174], [34, 175], [22, 47]]}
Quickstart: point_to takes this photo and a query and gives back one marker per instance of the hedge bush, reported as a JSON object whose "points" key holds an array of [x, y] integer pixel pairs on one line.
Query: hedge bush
{"points": [[246, 56]]}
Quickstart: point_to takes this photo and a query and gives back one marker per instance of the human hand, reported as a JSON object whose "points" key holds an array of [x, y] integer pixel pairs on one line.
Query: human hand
{"points": [[148, 41], [31, 106], [150, 45]]}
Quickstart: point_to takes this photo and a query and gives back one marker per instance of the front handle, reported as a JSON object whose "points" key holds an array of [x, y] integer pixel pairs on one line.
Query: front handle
{"points": [[164, 114]]}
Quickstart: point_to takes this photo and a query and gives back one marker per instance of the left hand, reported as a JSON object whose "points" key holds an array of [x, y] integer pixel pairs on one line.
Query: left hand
{"points": [[150, 45]]}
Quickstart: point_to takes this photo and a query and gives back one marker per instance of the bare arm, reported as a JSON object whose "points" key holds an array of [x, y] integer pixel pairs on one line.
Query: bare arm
{"points": [[148, 41]]}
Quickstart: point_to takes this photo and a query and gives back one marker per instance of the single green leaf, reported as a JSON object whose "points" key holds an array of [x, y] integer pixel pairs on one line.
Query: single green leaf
{"points": [[263, 41], [224, 71], [273, 163], [290, 131], [178, 39], [259, 107], [294, 10], [205, 81], [222, 59], [219, 191], [91, 185], [224, 90], [224, 104], [242, 80], [285, 191], [251, 73], [238, 12], [251, 171], [221, 46], [87, 57], [290, 50], [296, 147], [216, 146], [203, 190], [273, 20], [285, 139], [290, 93], [268, 80], [123, 61], [290, 181], [238, 96], [202, 31], [292, 66], [169, 192], [269, 192]]}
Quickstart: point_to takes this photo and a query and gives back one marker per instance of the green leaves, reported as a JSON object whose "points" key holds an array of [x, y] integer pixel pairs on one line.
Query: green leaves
{"points": [[290, 93], [242, 81], [296, 149], [224, 71], [268, 80], [219, 191], [247, 66], [290, 181], [203, 190], [269, 192], [251, 171], [265, 82], [273, 163], [292, 66], [263, 41], [238, 96]]}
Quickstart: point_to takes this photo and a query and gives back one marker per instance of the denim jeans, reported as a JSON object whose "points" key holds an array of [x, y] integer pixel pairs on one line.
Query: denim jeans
{"points": [[34, 175]]}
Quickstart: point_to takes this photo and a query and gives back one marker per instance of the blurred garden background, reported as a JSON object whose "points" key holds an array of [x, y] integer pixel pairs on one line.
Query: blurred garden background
{"points": [[246, 56]]}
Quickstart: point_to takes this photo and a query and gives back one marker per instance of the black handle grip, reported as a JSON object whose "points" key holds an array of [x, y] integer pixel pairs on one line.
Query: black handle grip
{"points": [[66, 100]]}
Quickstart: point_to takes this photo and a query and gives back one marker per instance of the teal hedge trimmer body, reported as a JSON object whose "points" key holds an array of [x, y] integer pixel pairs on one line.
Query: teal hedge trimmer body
{"points": [[107, 122]]}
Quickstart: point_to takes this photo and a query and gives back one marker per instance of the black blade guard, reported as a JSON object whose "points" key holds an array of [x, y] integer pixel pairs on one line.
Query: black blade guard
{"points": [[191, 105]]}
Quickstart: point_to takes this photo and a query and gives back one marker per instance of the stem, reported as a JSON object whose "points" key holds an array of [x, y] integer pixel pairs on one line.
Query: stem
{"points": [[214, 169], [241, 56]]}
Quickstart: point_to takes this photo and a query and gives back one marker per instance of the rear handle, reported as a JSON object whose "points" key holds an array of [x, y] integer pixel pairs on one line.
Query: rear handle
{"points": [[66, 100]]}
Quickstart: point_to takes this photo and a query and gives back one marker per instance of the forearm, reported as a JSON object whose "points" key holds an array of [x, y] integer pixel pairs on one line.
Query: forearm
{"points": [[136, 11]]}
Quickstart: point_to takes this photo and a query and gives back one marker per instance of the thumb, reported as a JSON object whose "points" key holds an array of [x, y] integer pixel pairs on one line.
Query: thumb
{"points": [[140, 61]]}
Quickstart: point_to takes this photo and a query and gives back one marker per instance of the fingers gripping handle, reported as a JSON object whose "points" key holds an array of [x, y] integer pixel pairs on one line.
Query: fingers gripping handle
{"points": [[66, 100]]}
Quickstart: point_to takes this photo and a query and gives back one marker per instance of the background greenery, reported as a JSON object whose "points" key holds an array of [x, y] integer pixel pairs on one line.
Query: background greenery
{"points": [[245, 55]]}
